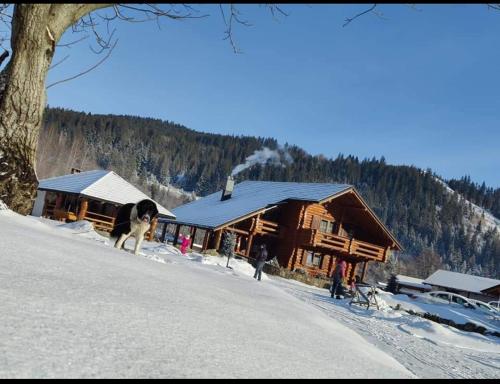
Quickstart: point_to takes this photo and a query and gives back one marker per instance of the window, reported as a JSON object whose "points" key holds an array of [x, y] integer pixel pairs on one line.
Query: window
{"points": [[313, 258], [330, 227], [458, 300], [326, 226], [323, 225]]}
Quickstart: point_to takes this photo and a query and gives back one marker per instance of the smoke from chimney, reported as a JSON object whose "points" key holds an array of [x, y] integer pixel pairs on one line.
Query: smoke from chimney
{"points": [[263, 156]]}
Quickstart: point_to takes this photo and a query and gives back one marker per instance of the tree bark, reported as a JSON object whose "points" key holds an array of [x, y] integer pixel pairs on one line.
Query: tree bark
{"points": [[22, 104], [36, 29]]}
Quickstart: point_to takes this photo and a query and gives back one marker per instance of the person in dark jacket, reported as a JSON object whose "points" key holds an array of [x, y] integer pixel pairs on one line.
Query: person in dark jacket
{"points": [[338, 275], [261, 260]]}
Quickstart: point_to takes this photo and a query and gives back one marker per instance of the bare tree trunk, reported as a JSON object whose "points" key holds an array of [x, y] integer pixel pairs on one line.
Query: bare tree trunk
{"points": [[36, 28], [22, 104]]}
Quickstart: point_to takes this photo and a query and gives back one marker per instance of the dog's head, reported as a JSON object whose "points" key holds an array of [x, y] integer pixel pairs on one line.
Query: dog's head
{"points": [[146, 210]]}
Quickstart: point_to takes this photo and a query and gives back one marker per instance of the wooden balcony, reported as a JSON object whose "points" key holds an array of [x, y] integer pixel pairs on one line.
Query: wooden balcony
{"points": [[266, 227], [367, 250], [330, 241]]}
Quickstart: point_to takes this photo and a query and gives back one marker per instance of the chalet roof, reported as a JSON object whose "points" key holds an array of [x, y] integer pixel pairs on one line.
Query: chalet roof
{"points": [[249, 197], [412, 282], [100, 185], [461, 281]]}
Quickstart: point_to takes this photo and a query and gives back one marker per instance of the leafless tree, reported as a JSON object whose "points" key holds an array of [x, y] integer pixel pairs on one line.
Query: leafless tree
{"points": [[34, 32]]}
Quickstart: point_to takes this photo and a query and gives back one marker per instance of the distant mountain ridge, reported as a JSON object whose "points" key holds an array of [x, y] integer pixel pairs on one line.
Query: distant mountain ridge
{"points": [[432, 218]]}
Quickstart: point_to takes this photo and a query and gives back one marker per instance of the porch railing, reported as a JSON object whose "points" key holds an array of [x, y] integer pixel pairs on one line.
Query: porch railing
{"points": [[316, 238], [101, 222]]}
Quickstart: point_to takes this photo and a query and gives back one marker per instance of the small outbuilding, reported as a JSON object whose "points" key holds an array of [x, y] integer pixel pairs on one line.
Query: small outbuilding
{"points": [[474, 287], [94, 196], [410, 285]]}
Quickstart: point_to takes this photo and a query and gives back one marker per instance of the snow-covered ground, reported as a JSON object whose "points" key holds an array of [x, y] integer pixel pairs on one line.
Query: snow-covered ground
{"points": [[488, 221], [73, 306]]}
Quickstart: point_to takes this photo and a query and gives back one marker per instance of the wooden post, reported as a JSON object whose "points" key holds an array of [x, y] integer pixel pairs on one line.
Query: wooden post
{"points": [[386, 253], [193, 234], [218, 236], [82, 212], [176, 236], [164, 232], [152, 229], [249, 246], [205, 240], [352, 272], [59, 200], [363, 273], [330, 265], [340, 222]]}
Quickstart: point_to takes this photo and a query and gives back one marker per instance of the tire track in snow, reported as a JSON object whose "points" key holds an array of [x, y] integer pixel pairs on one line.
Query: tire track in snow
{"points": [[423, 357]]}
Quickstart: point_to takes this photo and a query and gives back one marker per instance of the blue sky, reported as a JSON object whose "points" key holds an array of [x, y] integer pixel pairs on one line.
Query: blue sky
{"points": [[419, 87]]}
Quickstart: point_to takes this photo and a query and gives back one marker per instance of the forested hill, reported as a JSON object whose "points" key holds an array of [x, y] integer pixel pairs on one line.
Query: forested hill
{"points": [[437, 227]]}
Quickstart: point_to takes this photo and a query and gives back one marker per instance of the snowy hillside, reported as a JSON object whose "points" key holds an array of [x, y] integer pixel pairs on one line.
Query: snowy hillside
{"points": [[73, 306], [487, 220]]}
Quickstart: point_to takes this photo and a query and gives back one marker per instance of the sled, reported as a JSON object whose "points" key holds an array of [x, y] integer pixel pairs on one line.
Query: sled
{"points": [[361, 298]]}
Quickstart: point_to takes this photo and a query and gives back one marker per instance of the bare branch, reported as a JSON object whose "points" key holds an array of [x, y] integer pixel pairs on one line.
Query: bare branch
{"points": [[494, 6], [87, 70], [153, 10], [414, 7], [234, 16], [349, 19], [275, 8], [3, 56], [56, 64], [68, 45]]}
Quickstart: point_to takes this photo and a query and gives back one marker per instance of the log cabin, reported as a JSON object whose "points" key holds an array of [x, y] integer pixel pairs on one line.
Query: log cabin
{"points": [[304, 225], [94, 196]]}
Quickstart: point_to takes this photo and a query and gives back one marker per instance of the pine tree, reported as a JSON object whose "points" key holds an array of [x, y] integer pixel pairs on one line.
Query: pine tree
{"points": [[228, 243], [392, 284]]}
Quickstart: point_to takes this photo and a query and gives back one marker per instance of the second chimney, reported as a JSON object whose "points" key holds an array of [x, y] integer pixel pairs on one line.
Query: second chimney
{"points": [[228, 189]]}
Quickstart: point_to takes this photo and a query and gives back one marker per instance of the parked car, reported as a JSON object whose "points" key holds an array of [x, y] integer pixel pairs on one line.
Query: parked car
{"points": [[484, 306], [450, 298], [495, 304]]}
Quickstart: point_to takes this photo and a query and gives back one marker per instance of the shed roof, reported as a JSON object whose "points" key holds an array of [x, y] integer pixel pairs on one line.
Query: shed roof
{"points": [[248, 197], [100, 185], [461, 281], [412, 282]]}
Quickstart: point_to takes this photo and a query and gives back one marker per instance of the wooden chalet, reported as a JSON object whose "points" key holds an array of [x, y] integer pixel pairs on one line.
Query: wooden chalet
{"points": [[306, 225], [94, 196]]}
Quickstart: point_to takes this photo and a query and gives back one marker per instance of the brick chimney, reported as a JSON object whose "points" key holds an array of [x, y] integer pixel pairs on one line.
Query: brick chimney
{"points": [[228, 189]]}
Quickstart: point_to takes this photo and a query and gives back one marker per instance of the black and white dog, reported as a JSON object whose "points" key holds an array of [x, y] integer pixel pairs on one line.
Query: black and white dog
{"points": [[134, 220]]}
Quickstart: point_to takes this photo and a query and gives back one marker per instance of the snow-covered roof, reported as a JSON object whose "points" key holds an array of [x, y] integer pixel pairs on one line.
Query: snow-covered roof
{"points": [[461, 281], [249, 197], [412, 282], [101, 185]]}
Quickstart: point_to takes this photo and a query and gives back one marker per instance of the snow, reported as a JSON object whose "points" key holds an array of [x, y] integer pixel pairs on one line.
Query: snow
{"points": [[461, 281], [488, 223], [455, 312], [101, 185], [251, 196], [75, 307], [412, 282]]}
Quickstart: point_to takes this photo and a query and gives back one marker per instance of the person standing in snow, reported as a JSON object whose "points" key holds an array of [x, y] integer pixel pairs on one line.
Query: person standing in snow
{"points": [[261, 261], [338, 275], [185, 244]]}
